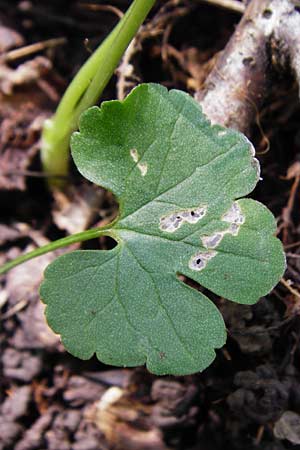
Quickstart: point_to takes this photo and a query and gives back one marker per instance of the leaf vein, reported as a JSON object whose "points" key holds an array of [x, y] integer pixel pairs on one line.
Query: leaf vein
{"points": [[162, 306], [177, 184]]}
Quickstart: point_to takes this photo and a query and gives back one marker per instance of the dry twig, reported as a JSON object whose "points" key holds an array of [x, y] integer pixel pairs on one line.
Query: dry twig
{"points": [[32, 48], [233, 5], [287, 285], [239, 79]]}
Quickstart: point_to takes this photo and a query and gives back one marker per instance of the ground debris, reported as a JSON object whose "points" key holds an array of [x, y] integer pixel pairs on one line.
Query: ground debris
{"points": [[26, 73], [34, 332], [288, 427], [22, 366], [125, 421], [33, 438], [9, 38], [77, 207], [16, 404], [66, 422], [13, 232], [260, 396], [23, 281], [81, 390], [175, 404], [20, 125], [22, 285], [14, 407]]}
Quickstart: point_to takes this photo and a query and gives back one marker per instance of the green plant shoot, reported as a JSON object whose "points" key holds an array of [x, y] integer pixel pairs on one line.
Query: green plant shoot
{"points": [[86, 89]]}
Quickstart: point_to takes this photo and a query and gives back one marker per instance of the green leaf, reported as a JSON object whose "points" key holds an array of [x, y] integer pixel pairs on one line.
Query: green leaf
{"points": [[177, 179]]}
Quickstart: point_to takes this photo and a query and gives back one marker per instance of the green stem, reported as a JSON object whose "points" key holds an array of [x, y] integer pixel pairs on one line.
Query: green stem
{"points": [[60, 243], [116, 46], [86, 88]]}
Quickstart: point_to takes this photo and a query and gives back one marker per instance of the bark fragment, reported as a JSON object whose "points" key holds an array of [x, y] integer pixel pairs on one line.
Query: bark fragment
{"points": [[268, 33]]}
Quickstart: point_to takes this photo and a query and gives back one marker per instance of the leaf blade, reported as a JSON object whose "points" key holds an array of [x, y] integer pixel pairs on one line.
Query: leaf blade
{"points": [[178, 180]]}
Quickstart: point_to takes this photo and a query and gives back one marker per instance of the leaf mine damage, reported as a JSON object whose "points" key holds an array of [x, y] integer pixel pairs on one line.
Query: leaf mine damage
{"points": [[235, 218], [175, 220], [134, 155], [199, 261], [234, 215], [143, 167]]}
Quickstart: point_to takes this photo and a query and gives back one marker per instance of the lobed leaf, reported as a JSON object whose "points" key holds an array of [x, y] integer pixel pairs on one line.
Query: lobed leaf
{"points": [[179, 183]]}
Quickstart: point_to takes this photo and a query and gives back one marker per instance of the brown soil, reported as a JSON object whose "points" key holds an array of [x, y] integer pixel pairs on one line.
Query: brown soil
{"points": [[51, 400]]}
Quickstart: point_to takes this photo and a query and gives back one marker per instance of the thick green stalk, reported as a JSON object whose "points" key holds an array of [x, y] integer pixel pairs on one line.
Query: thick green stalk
{"points": [[86, 88], [60, 243]]}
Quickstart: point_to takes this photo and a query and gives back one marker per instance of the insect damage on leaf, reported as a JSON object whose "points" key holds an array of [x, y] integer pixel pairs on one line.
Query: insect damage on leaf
{"points": [[199, 261], [134, 155], [233, 216], [184, 217], [143, 167], [173, 221]]}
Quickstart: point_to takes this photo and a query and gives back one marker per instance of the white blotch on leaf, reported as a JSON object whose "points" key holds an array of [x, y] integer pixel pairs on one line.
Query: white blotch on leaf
{"points": [[173, 221], [234, 215], [213, 240], [143, 167], [235, 218], [199, 261], [134, 155]]}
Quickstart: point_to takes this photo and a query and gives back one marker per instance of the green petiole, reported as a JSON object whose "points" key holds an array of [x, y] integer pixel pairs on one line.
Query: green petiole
{"points": [[59, 243]]}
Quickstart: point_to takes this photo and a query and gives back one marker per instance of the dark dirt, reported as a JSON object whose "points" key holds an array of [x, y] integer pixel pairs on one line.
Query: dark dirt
{"points": [[51, 400]]}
